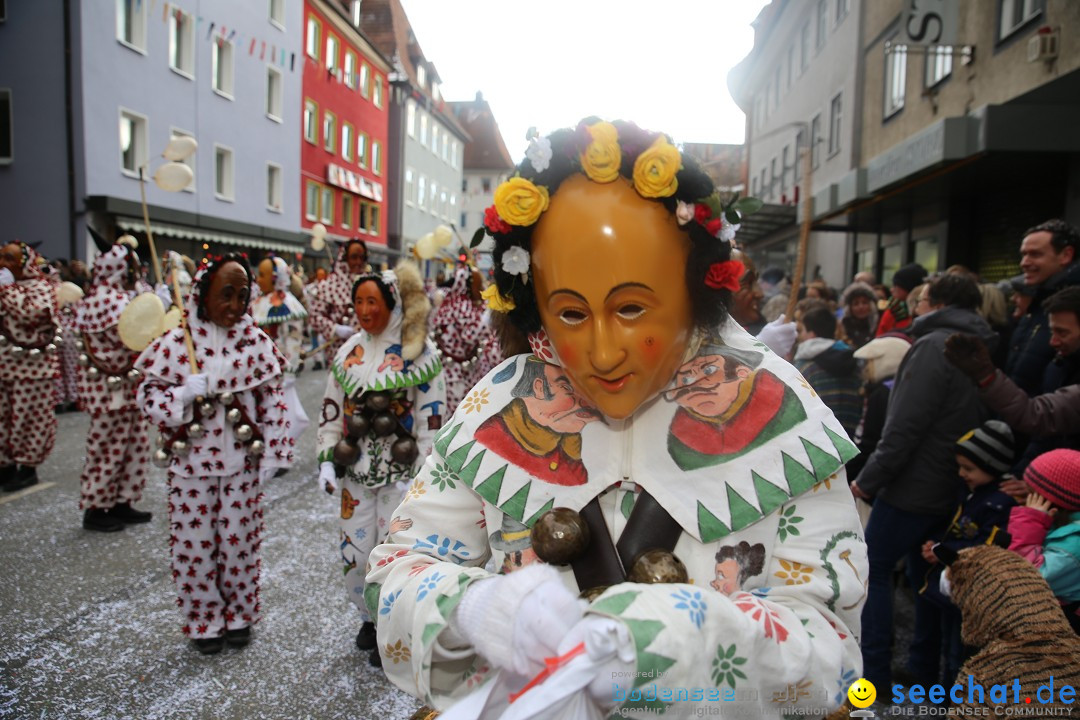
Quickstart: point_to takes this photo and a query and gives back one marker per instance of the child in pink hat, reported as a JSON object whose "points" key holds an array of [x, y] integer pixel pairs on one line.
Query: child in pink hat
{"points": [[1054, 502]]}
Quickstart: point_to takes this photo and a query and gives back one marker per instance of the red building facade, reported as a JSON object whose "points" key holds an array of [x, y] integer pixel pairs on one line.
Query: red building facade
{"points": [[344, 127]]}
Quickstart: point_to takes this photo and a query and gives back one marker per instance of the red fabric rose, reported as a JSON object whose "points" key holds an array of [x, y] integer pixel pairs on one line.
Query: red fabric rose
{"points": [[725, 275], [493, 222], [702, 213], [714, 226]]}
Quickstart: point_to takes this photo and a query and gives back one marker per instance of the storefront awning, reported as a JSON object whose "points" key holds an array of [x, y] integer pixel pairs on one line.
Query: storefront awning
{"points": [[764, 222], [206, 236]]}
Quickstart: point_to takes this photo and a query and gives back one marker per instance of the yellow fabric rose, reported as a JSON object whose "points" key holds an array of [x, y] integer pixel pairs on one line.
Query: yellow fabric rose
{"points": [[602, 158], [655, 169], [496, 301], [519, 202]]}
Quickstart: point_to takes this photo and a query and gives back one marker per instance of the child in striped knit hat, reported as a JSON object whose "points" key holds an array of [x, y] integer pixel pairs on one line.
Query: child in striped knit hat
{"points": [[984, 456], [1054, 502]]}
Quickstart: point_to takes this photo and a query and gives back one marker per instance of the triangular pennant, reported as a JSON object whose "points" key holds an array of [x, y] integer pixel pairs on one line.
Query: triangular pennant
{"points": [[614, 604], [456, 460], [742, 512], [799, 479], [644, 632], [445, 436], [709, 525], [823, 463], [468, 473], [492, 486], [515, 506], [536, 515], [843, 446]]}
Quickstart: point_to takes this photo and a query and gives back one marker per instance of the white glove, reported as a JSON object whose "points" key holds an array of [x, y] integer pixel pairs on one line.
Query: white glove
{"points": [[608, 638], [195, 386], [328, 476], [343, 332], [517, 620], [6, 278], [779, 335]]}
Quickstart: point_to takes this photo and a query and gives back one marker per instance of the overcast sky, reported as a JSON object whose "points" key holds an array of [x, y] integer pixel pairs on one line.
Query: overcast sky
{"points": [[660, 63]]}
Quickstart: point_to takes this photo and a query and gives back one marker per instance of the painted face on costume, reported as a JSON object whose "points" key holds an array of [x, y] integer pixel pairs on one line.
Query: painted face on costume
{"points": [[265, 278], [227, 299], [555, 405], [702, 386], [356, 259], [12, 259], [609, 269], [727, 576], [371, 308]]}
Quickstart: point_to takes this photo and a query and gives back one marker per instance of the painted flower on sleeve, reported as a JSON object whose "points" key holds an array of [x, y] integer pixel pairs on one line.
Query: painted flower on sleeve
{"points": [[691, 601], [725, 666]]}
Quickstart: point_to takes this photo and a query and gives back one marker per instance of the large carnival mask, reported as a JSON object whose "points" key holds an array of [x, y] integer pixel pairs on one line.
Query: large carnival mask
{"points": [[265, 278], [356, 259], [227, 299], [371, 308], [609, 268]]}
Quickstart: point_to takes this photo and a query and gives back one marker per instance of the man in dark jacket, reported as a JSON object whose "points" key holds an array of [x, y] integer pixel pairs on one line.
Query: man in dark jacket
{"points": [[1048, 258], [912, 475]]}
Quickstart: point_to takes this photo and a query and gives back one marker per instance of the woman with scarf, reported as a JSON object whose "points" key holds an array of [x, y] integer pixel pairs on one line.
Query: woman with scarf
{"points": [[384, 401], [29, 364], [223, 430], [118, 442], [461, 334], [649, 457], [330, 301]]}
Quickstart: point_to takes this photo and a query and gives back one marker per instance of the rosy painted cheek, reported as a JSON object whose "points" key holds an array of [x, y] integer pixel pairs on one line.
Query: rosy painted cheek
{"points": [[567, 353]]}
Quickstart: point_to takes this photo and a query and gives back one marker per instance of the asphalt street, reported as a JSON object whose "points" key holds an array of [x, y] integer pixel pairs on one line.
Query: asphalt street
{"points": [[90, 627]]}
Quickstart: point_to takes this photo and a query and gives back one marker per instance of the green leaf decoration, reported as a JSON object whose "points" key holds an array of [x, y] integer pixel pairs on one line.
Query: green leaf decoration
{"points": [[748, 205], [515, 506], [742, 512], [732, 216], [536, 515], [799, 479], [477, 238], [769, 496], [644, 632], [627, 504], [843, 446], [615, 604], [824, 464], [490, 488], [710, 526], [429, 633]]}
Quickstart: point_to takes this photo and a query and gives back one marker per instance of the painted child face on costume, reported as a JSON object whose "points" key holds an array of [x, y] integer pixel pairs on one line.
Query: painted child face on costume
{"points": [[227, 298], [371, 308], [609, 269], [265, 278], [356, 259], [12, 259]]}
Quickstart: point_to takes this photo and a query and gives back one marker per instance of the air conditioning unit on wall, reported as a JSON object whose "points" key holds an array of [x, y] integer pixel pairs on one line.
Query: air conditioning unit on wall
{"points": [[1043, 45]]}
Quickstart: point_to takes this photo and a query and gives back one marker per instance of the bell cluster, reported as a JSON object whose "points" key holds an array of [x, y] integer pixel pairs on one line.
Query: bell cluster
{"points": [[465, 364], [115, 382], [373, 417], [18, 351], [179, 444]]}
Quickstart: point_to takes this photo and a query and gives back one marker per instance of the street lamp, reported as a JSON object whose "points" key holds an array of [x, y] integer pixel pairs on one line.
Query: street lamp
{"points": [[173, 176]]}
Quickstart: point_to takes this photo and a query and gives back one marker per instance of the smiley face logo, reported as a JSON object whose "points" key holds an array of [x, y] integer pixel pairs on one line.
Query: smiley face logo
{"points": [[862, 693]]}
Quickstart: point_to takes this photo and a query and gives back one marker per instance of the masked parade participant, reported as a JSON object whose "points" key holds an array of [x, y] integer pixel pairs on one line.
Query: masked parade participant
{"points": [[330, 301], [30, 337], [648, 455], [118, 443], [281, 315], [224, 431], [384, 401], [461, 334]]}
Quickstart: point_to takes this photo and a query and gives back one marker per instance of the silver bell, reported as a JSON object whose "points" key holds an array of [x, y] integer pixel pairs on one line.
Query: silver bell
{"points": [[17, 351], [225, 398], [233, 416], [50, 348], [80, 345], [34, 353], [92, 373], [180, 447], [58, 339], [83, 360], [4, 341], [162, 441], [196, 430], [256, 447], [113, 382], [161, 458], [244, 432], [206, 410], [134, 375]]}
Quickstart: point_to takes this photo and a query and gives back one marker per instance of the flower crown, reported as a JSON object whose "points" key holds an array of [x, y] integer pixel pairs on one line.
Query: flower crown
{"points": [[605, 151]]}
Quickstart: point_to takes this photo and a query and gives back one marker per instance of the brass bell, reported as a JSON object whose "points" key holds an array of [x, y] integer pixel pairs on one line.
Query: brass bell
{"points": [[384, 423], [256, 447], [346, 453], [134, 375], [83, 360], [92, 373], [196, 431], [404, 451], [244, 432], [233, 416], [50, 348], [34, 353], [180, 447], [560, 536], [113, 382], [17, 351], [377, 401], [225, 398], [206, 410], [161, 458], [658, 566], [357, 425]]}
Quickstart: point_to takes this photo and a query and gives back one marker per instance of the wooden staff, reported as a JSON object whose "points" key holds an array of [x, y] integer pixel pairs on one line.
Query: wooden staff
{"points": [[305, 354], [804, 235]]}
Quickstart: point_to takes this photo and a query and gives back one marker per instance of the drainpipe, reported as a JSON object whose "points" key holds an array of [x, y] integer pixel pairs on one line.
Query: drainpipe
{"points": [[69, 126]]}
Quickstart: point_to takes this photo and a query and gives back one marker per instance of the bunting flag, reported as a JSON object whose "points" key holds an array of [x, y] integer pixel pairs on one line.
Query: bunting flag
{"points": [[210, 31], [164, 12], [292, 63], [221, 34], [262, 51]]}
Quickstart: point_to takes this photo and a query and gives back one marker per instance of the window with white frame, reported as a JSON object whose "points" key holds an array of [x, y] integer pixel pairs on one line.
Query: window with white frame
{"points": [[350, 70], [274, 93], [842, 9], [410, 187], [421, 192], [421, 77], [7, 127], [346, 210], [790, 65], [446, 147], [376, 157], [273, 187], [774, 177], [332, 47], [836, 109], [277, 13], [313, 37], [362, 149], [131, 23], [326, 206], [189, 160], [443, 203], [373, 219], [221, 66], [804, 48], [423, 128], [452, 211], [454, 154], [435, 138], [783, 169], [815, 141], [410, 118], [377, 93], [181, 42], [133, 142], [329, 130], [347, 141], [822, 23], [938, 64], [355, 13], [311, 121], [223, 173], [800, 145], [363, 221], [365, 79], [1015, 13], [895, 78], [311, 201]]}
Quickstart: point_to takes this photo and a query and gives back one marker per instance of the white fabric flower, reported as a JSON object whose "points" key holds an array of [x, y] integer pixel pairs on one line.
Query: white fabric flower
{"points": [[539, 153], [684, 212], [515, 261], [727, 231]]}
